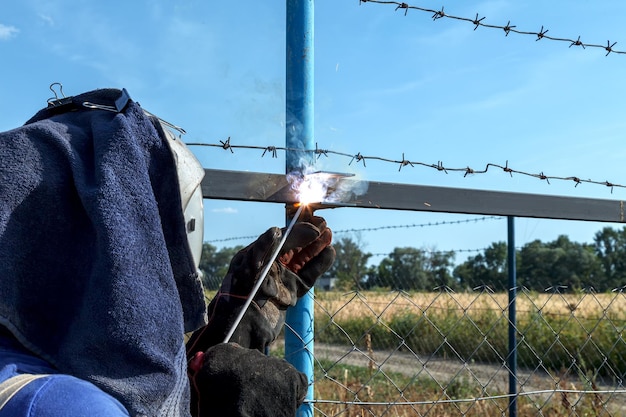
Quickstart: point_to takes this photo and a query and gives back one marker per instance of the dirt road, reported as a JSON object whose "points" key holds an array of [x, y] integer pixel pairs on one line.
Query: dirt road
{"points": [[494, 379]]}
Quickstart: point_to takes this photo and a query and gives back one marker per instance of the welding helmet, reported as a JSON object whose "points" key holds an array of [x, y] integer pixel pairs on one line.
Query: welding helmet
{"points": [[190, 174]]}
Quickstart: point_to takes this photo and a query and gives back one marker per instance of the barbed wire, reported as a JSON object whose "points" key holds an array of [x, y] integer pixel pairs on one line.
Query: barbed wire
{"points": [[373, 229], [408, 226], [455, 251], [477, 21], [439, 166]]}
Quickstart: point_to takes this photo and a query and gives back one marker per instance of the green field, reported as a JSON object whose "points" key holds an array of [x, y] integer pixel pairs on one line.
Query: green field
{"points": [[576, 338]]}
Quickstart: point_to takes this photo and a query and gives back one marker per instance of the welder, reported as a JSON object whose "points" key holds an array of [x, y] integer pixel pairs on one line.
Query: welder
{"points": [[100, 239]]}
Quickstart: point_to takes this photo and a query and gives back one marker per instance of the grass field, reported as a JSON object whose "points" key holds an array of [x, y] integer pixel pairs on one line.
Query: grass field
{"points": [[577, 338], [344, 384], [612, 305]]}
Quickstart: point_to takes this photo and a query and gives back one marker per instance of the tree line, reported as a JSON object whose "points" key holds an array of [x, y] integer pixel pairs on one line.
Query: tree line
{"points": [[560, 264]]}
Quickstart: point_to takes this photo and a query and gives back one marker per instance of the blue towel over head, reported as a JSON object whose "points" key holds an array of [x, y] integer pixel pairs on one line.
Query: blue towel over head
{"points": [[96, 275]]}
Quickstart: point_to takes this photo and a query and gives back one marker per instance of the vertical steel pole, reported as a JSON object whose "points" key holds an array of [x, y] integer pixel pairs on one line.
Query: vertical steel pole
{"points": [[299, 135], [512, 357]]}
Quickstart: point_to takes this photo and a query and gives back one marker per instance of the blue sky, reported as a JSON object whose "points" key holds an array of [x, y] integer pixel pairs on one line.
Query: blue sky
{"points": [[385, 84]]}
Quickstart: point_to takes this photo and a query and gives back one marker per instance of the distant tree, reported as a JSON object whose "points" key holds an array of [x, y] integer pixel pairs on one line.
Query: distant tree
{"points": [[485, 269], [214, 264], [610, 247], [559, 263], [535, 266], [350, 267], [402, 269], [412, 269], [438, 267]]}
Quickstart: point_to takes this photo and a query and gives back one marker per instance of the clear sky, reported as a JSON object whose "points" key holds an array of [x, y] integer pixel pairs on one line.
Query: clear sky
{"points": [[385, 84]]}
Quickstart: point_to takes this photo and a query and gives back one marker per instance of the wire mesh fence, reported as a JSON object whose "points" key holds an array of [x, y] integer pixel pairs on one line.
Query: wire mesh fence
{"points": [[447, 354]]}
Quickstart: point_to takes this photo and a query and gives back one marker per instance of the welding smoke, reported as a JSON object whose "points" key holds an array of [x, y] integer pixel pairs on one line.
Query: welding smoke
{"points": [[309, 183], [312, 186]]}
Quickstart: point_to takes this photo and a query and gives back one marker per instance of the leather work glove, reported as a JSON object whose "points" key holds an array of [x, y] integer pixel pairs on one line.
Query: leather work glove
{"points": [[304, 257], [237, 382]]}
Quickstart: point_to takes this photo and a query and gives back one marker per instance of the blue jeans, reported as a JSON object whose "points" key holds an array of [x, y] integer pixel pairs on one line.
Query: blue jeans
{"points": [[55, 395]]}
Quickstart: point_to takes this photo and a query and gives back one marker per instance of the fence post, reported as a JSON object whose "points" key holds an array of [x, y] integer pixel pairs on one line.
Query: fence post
{"points": [[512, 356], [299, 135]]}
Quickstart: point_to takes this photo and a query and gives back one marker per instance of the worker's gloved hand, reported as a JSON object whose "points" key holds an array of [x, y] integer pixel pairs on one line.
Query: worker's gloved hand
{"points": [[305, 256], [229, 380]]}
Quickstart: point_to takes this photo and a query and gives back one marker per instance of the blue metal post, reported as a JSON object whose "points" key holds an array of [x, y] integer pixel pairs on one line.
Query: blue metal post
{"points": [[512, 356], [299, 135]]}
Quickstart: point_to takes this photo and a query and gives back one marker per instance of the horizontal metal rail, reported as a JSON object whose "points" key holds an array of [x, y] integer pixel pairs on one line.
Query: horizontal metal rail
{"points": [[263, 187]]}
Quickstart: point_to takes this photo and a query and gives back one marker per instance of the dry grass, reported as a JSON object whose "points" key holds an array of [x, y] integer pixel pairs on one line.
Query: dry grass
{"points": [[590, 306], [379, 398], [576, 317]]}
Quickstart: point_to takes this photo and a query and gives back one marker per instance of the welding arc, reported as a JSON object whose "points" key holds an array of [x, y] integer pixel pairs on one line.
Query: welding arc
{"points": [[264, 273]]}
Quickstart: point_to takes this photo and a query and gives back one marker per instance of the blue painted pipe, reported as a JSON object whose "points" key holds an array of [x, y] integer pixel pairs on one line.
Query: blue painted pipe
{"points": [[512, 356], [299, 135]]}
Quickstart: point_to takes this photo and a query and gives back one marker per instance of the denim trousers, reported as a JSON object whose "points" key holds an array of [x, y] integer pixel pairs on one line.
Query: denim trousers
{"points": [[50, 393]]}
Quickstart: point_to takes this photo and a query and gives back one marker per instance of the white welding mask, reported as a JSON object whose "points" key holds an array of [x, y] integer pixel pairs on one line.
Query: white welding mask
{"points": [[190, 174]]}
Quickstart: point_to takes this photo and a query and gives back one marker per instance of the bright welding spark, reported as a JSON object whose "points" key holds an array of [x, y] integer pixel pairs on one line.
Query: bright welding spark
{"points": [[311, 190], [324, 187]]}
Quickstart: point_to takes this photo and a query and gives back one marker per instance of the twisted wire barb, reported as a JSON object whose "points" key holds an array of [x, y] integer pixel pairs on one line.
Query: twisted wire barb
{"points": [[477, 21], [439, 166], [373, 229]]}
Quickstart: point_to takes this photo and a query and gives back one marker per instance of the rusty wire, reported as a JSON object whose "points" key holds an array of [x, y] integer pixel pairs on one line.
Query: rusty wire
{"points": [[439, 166], [455, 251], [477, 21], [407, 226], [374, 229]]}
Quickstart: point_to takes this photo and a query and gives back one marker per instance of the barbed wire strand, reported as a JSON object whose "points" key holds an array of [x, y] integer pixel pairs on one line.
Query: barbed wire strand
{"points": [[435, 251], [374, 229], [439, 166], [477, 21]]}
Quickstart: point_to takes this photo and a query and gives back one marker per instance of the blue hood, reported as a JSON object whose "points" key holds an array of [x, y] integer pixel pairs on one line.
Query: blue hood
{"points": [[96, 275]]}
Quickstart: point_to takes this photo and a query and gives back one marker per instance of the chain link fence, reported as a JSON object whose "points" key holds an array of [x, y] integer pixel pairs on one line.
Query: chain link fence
{"points": [[447, 354]]}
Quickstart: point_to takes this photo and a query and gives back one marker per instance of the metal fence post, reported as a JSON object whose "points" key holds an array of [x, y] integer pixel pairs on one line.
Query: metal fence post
{"points": [[512, 356], [299, 135]]}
